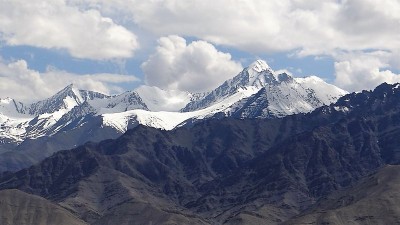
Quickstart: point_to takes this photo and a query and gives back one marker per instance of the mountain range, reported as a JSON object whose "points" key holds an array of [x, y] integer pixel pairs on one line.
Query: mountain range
{"points": [[31, 132], [332, 165]]}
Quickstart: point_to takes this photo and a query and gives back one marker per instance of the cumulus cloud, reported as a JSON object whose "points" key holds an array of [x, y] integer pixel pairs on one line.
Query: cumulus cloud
{"points": [[355, 72], [19, 82], [193, 67], [56, 25], [309, 26]]}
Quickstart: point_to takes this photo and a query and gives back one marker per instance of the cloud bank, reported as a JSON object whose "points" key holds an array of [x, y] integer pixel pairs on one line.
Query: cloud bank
{"points": [[355, 72], [311, 26]]}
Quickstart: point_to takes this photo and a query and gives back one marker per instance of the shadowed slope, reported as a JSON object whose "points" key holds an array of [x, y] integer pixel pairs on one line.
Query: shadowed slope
{"points": [[374, 200], [17, 207]]}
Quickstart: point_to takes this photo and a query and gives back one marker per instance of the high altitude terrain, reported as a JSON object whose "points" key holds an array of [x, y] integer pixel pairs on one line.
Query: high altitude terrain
{"points": [[230, 171], [31, 132], [17, 207], [373, 200]]}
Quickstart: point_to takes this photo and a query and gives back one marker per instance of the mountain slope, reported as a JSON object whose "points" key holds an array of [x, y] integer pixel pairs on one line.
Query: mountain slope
{"points": [[65, 99], [251, 79], [291, 96], [224, 171], [374, 200], [17, 207], [145, 166]]}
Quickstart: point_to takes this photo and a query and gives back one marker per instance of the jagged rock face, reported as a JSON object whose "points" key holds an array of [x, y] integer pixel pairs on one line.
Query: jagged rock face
{"points": [[67, 98], [91, 95], [224, 171]]}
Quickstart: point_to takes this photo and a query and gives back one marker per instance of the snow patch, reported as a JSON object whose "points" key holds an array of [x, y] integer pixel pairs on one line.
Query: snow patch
{"points": [[259, 66]]}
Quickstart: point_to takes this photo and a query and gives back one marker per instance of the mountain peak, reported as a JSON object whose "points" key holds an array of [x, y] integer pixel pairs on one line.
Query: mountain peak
{"points": [[72, 91], [258, 74], [66, 99], [259, 66], [280, 93], [70, 87]]}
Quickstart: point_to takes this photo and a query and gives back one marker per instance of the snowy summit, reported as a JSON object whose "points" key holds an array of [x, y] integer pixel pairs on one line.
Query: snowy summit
{"points": [[256, 92]]}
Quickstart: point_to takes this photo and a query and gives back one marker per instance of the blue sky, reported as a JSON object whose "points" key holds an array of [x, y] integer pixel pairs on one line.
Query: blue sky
{"points": [[113, 45]]}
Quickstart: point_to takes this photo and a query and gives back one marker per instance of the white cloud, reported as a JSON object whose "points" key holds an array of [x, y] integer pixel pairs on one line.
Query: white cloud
{"points": [[193, 67], [19, 82], [310, 26], [56, 25], [306, 27], [355, 72], [300, 27]]}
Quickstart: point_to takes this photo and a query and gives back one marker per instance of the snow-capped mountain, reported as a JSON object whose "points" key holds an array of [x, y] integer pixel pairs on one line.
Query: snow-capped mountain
{"points": [[288, 96], [72, 117], [245, 84], [260, 92], [256, 92], [44, 118]]}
